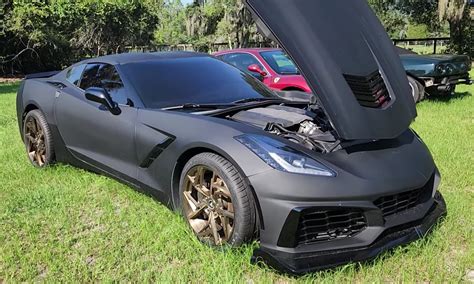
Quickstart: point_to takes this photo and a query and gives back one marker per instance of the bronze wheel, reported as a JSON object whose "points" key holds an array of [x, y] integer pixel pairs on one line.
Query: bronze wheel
{"points": [[208, 205], [37, 139]]}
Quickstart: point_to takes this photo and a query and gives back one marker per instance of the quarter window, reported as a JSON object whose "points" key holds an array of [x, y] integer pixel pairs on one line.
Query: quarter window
{"points": [[105, 76], [73, 75]]}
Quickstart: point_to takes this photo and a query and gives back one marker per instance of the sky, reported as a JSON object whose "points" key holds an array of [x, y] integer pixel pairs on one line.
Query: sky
{"points": [[187, 1]]}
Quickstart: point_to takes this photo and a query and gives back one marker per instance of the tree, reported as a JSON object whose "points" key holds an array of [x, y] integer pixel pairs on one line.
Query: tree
{"points": [[172, 27], [457, 13], [39, 35], [395, 21], [110, 26]]}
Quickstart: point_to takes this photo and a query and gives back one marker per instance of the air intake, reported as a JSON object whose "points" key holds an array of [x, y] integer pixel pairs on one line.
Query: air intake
{"points": [[370, 91], [398, 203], [316, 225]]}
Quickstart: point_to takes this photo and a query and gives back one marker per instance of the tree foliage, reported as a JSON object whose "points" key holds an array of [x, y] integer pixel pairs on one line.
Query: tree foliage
{"points": [[38, 35], [461, 24], [44, 35]]}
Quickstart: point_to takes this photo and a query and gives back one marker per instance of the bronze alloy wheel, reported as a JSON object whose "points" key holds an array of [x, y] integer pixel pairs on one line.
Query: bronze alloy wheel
{"points": [[208, 205], [35, 141]]}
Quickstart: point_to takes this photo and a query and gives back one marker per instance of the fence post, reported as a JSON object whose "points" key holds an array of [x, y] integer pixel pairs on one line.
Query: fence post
{"points": [[435, 45]]}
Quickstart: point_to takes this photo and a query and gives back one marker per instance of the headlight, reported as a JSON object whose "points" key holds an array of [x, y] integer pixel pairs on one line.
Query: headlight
{"points": [[282, 157]]}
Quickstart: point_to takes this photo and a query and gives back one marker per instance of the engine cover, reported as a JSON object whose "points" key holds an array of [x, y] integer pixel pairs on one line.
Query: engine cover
{"points": [[281, 115]]}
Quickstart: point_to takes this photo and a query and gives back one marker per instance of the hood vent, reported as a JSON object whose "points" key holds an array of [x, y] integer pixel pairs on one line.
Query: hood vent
{"points": [[370, 91]]}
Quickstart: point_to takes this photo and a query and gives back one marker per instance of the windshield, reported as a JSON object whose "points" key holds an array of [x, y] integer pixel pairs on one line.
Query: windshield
{"points": [[280, 62], [194, 80]]}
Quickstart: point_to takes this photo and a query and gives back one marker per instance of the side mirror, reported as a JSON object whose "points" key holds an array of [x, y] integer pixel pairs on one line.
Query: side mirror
{"points": [[256, 69], [102, 97]]}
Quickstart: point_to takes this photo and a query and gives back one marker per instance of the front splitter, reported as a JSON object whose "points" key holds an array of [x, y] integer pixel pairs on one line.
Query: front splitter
{"points": [[302, 263]]}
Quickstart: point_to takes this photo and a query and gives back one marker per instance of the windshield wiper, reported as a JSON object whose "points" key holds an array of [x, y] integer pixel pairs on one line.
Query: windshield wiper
{"points": [[250, 100], [198, 106]]}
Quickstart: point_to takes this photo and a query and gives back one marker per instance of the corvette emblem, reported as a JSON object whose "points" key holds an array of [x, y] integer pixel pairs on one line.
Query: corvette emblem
{"points": [[276, 80]]}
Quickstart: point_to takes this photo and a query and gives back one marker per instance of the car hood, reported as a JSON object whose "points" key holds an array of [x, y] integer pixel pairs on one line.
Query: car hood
{"points": [[348, 60]]}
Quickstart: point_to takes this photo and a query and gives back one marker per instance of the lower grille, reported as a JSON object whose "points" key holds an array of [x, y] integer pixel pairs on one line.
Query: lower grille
{"points": [[400, 202], [324, 225]]}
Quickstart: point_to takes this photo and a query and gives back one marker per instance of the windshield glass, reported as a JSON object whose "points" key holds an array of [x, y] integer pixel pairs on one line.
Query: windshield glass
{"points": [[280, 62], [194, 80]]}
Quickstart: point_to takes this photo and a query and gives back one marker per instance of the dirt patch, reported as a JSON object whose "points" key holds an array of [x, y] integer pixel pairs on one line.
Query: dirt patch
{"points": [[470, 276], [9, 80]]}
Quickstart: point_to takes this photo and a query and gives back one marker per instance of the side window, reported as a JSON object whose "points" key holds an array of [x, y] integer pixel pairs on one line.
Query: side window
{"points": [[242, 60], [105, 76], [89, 77], [73, 75]]}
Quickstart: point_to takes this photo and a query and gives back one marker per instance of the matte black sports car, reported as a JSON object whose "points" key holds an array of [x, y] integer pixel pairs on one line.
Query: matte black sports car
{"points": [[320, 182]]}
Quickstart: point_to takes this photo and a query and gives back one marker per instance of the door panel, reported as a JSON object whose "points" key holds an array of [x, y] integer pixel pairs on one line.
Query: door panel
{"points": [[104, 139]]}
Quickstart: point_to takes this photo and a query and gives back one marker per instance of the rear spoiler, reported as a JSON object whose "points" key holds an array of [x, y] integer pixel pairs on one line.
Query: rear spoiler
{"points": [[41, 75]]}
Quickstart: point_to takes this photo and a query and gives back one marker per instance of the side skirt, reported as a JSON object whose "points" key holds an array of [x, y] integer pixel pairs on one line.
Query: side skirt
{"points": [[68, 156]]}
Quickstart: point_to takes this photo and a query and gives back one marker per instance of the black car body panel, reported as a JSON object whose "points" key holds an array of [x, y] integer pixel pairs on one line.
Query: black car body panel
{"points": [[377, 186], [348, 60]]}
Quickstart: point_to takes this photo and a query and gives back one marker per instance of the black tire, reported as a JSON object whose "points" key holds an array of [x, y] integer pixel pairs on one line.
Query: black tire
{"points": [[417, 89], [43, 139], [244, 221]]}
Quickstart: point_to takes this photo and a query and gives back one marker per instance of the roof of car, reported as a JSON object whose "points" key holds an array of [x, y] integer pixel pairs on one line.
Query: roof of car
{"points": [[125, 58], [251, 50]]}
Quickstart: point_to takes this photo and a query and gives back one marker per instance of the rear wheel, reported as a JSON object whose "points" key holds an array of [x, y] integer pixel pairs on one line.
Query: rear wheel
{"points": [[38, 139], [216, 201]]}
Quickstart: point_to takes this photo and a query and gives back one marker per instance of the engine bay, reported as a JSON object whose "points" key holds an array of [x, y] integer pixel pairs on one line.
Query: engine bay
{"points": [[307, 126]]}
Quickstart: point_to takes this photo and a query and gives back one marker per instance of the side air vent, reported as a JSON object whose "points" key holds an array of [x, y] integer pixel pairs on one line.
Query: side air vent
{"points": [[58, 85], [370, 91]]}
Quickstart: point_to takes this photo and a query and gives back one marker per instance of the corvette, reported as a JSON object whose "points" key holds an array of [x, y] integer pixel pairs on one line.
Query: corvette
{"points": [[318, 180]]}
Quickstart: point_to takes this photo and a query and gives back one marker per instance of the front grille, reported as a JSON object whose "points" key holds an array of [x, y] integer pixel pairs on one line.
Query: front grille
{"points": [[324, 225], [370, 91], [397, 203]]}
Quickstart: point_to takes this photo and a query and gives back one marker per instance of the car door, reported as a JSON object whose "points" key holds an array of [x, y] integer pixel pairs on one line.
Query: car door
{"points": [[89, 130]]}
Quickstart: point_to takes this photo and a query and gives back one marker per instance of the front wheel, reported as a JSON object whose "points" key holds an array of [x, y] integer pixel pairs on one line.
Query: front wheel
{"points": [[417, 89], [216, 201]]}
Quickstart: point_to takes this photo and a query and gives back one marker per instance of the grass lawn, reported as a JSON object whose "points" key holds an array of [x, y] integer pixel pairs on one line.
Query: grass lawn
{"points": [[65, 224]]}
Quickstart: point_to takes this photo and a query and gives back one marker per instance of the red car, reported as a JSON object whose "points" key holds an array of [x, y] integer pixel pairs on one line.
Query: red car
{"points": [[271, 65]]}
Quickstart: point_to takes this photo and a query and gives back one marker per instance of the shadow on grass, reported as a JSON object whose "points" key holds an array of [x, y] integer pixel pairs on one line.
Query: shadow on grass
{"points": [[448, 99], [8, 88]]}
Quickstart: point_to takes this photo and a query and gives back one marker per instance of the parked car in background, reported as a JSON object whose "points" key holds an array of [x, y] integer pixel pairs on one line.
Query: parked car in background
{"points": [[427, 74], [435, 74], [270, 65]]}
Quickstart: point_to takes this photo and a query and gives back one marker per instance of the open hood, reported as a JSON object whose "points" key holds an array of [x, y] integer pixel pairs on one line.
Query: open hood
{"points": [[349, 61]]}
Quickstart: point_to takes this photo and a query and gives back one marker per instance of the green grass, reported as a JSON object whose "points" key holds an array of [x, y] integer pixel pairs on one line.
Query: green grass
{"points": [[65, 224]]}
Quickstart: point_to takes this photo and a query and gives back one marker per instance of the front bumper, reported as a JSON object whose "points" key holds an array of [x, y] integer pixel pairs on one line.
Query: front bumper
{"points": [[384, 195], [305, 262]]}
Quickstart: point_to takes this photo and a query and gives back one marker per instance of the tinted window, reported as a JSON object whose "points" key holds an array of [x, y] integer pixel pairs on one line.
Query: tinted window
{"points": [[241, 60], [73, 75], [104, 76], [280, 62], [200, 80]]}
